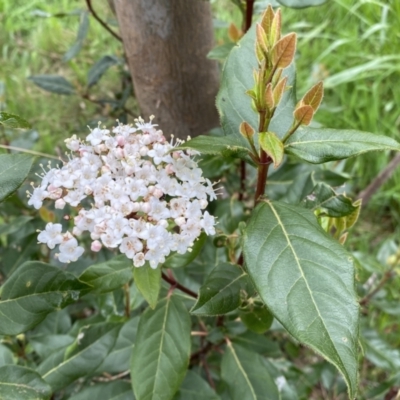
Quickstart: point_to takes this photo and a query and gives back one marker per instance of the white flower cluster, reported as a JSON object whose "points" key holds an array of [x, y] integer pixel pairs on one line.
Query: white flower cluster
{"points": [[133, 192]]}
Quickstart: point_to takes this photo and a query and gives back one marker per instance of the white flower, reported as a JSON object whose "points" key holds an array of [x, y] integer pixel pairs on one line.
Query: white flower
{"points": [[51, 235], [130, 193], [70, 251], [208, 223]]}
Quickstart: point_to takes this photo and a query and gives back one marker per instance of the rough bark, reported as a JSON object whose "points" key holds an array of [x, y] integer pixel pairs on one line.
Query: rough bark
{"points": [[166, 43]]}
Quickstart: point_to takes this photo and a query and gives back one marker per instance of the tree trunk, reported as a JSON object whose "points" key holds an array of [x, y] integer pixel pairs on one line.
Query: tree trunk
{"points": [[166, 43]]}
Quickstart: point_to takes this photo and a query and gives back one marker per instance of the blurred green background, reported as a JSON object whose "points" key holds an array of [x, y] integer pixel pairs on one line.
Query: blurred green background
{"points": [[352, 45]]}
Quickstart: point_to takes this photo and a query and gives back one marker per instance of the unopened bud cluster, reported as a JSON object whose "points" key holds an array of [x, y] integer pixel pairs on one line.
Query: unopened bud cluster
{"points": [[133, 192]]}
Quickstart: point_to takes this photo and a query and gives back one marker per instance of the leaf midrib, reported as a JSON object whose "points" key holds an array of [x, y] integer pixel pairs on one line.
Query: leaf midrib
{"points": [[302, 274], [4, 172], [241, 369]]}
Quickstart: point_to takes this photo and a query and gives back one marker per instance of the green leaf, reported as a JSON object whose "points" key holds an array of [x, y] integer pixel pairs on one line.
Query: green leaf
{"points": [[15, 225], [119, 357], [118, 390], [246, 375], [194, 387], [22, 383], [148, 281], [301, 3], [237, 77], [53, 83], [6, 356], [82, 33], [318, 146], [162, 349], [306, 279], [257, 318], [258, 343], [329, 202], [221, 292], [13, 121], [221, 52], [379, 352], [273, 146], [177, 260], [34, 290], [109, 275], [45, 345], [80, 359], [99, 68], [14, 168], [225, 145]]}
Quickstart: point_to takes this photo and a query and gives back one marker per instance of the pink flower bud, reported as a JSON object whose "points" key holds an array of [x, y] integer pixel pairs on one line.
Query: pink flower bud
{"points": [[176, 155], [135, 207], [169, 169], [145, 207], [157, 193], [151, 189], [121, 141], [163, 223], [143, 151], [96, 246], [59, 204]]}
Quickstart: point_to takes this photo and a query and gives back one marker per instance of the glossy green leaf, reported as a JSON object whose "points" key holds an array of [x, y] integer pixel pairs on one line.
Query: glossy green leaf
{"points": [[81, 358], [81, 36], [272, 145], [53, 83], [325, 199], [34, 290], [194, 387], [301, 3], [17, 382], [306, 279], [221, 292], [318, 146], [109, 275], [148, 281], [234, 105], [177, 260], [223, 145], [257, 318], [246, 375], [162, 349], [45, 345], [99, 68], [13, 121], [220, 52], [118, 390], [258, 343], [14, 168], [119, 357]]}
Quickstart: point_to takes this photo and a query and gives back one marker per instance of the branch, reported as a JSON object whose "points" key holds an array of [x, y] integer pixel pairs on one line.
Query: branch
{"points": [[171, 280], [382, 177], [386, 276], [102, 23]]}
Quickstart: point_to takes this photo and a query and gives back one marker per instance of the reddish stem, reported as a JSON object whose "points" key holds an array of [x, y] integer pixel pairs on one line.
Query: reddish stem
{"points": [[171, 280]]}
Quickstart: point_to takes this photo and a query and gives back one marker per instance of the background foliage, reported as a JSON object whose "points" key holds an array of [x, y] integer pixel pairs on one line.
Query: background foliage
{"points": [[352, 52]]}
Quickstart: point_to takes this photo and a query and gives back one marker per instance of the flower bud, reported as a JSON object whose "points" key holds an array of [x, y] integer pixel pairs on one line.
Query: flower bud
{"points": [[96, 246], [59, 204]]}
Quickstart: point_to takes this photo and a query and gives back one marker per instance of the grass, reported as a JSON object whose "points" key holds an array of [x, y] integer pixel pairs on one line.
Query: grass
{"points": [[34, 44]]}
